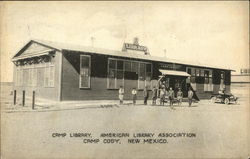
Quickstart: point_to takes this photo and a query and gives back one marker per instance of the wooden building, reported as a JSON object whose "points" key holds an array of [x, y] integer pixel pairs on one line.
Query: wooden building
{"points": [[62, 72]]}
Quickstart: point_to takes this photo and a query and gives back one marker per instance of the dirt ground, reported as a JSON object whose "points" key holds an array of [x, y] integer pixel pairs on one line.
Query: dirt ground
{"points": [[222, 131]]}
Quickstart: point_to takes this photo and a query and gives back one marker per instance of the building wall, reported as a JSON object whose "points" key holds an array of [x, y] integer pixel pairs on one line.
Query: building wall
{"points": [[206, 95], [98, 90], [41, 92], [241, 78]]}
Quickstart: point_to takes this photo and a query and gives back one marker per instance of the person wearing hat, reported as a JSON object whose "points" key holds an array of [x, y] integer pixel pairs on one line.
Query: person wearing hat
{"points": [[179, 96]]}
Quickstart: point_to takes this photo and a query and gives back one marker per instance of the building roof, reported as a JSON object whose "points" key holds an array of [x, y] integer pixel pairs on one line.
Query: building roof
{"points": [[80, 48]]}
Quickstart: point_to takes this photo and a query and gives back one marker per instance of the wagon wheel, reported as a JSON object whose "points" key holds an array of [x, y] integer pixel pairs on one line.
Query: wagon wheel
{"points": [[226, 101], [213, 99]]}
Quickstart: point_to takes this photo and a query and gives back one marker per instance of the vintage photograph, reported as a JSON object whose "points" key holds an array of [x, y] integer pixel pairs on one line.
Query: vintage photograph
{"points": [[124, 79]]}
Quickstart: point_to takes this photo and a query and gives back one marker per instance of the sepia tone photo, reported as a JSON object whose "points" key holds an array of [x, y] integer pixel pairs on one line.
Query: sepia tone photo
{"points": [[117, 79]]}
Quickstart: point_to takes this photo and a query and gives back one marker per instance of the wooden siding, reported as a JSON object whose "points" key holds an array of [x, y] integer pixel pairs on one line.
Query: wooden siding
{"points": [[98, 82], [50, 93], [34, 48]]}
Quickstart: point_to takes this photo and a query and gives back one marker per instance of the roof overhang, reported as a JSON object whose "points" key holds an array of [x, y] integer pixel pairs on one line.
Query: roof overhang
{"points": [[41, 53], [174, 73]]}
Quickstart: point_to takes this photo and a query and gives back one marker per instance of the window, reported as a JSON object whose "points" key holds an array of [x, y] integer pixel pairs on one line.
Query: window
{"points": [[30, 76], [135, 67], [51, 74], [112, 74], [148, 75], [208, 84], [46, 76], [202, 76], [25, 77], [127, 66], [49, 71], [142, 76], [188, 80], [192, 78], [120, 65], [40, 76], [197, 72], [192, 72], [202, 73], [206, 74], [118, 70], [115, 74], [119, 74], [112, 64], [145, 74], [84, 71], [39, 73], [19, 76], [34, 77]]}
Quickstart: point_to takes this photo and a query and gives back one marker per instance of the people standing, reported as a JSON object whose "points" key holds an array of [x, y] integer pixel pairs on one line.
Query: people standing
{"points": [[145, 95], [171, 96], [154, 96], [190, 96], [134, 95], [179, 96], [121, 94], [162, 95]]}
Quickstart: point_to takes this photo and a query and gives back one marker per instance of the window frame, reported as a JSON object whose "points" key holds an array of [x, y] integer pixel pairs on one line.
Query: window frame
{"points": [[47, 66], [210, 80], [131, 61], [115, 59], [145, 81], [89, 81]]}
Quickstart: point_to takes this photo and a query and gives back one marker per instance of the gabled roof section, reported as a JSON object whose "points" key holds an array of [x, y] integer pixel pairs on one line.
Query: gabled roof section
{"points": [[33, 48], [79, 48]]}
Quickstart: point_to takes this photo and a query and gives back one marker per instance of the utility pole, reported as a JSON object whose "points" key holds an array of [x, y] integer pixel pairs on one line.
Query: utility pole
{"points": [[165, 52]]}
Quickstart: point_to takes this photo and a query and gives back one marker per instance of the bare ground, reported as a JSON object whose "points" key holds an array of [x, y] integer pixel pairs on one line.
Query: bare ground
{"points": [[222, 131]]}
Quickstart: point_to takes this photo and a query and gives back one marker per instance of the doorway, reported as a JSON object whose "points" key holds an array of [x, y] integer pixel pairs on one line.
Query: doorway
{"points": [[175, 82]]}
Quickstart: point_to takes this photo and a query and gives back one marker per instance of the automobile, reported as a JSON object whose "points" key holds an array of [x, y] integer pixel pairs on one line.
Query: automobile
{"points": [[225, 98]]}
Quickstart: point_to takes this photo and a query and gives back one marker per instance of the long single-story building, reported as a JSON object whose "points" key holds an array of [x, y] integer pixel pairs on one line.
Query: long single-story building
{"points": [[63, 72]]}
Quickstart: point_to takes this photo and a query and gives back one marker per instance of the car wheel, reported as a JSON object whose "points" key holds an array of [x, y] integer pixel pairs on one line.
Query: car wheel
{"points": [[226, 101], [213, 99]]}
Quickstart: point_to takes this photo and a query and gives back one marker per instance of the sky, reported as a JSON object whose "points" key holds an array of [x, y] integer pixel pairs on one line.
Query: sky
{"points": [[214, 33]]}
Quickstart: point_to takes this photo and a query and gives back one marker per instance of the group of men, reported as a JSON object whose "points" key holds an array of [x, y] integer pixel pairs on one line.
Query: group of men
{"points": [[163, 94]]}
